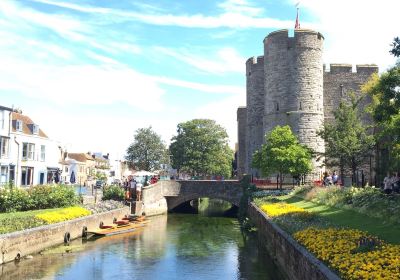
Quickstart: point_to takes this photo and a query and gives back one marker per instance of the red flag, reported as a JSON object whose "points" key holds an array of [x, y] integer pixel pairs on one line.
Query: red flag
{"points": [[297, 25]]}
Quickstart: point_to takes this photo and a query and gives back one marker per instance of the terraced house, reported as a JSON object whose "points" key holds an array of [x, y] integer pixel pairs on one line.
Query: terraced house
{"points": [[28, 155]]}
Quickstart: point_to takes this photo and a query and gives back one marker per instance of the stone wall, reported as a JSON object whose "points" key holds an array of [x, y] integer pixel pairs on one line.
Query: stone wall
{"points": [[242, 166], [153, 200], [228, 190], [34, 240], [293, 86], [295, 261], [255, 98], [339, 82], [165, 195]]}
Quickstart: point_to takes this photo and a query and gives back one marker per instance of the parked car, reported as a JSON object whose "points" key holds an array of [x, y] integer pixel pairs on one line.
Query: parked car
{"points": [[99, 184]]}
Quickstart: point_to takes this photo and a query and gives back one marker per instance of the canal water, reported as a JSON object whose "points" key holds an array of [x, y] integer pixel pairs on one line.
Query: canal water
{"points": [[177, 246]]}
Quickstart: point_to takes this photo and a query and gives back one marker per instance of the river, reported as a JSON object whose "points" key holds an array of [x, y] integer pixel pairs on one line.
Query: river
{"points": [[177, 246]]}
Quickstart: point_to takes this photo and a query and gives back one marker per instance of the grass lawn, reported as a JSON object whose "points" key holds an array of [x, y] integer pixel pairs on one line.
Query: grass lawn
{"points": [[350, 219]]}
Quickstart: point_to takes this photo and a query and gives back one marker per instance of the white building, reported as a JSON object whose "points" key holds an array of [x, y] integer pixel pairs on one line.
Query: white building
{"points": [[30, 157], [6, 165]]}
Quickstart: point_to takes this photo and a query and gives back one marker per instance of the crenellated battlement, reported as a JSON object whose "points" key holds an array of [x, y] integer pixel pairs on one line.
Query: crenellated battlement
{"points": [[339, 68], [254, 64], [300, 36]]}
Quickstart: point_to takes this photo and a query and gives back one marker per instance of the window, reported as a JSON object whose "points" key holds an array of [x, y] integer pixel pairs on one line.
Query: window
{"points": [[277, 106], [3, 175], [18, 125], [42, 152], [28, 151], [26, 176], [66, 169], [4, 142], [35, 129]]}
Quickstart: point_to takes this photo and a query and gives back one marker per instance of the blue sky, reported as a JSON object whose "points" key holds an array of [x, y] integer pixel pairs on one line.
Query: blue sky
{"points": [[90, 72]]}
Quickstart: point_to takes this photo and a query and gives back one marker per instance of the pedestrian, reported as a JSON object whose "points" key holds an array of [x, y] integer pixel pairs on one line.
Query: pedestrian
{"points": [[132, 187], [139, 191], [387, 184], [335, 178]]}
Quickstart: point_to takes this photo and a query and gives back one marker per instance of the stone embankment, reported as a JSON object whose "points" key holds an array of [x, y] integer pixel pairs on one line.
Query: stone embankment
{"points": [[296, 261], [19, 244]]}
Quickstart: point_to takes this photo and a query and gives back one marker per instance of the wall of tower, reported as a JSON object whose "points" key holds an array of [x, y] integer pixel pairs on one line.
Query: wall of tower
{"points": [[339, 81], [255, 97], [294, 86], [242, 142]]}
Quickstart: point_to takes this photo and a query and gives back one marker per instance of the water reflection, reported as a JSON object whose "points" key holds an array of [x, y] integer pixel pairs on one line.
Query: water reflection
{"points": [[178, 246]]}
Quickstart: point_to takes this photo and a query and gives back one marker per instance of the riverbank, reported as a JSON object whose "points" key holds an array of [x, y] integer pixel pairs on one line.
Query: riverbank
{"points": [[348, 241], [17, 245]]}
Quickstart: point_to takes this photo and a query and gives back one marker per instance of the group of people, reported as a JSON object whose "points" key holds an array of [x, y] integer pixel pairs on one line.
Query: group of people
{"points": [[133, 188], [391, 183], [329, 179]]}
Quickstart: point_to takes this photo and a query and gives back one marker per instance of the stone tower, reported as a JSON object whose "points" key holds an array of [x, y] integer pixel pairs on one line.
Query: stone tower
{"points": [[294, 86], [255, 99]]}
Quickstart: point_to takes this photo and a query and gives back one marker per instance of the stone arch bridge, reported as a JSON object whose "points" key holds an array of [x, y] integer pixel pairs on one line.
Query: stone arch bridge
{"points": [[166, 195]]}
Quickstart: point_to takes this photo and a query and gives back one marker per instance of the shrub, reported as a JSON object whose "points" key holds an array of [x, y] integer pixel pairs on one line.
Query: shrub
{"points": [[14, 199], [48, 196], [37, 197], [113, 193]]}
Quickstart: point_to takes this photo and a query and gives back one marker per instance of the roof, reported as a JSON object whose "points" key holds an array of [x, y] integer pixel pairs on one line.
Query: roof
{"points": [[5, 108], [27, 123], [82, 157]]}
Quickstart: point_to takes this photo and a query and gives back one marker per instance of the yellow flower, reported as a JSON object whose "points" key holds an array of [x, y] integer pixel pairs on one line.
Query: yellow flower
{"points": [[64, 214]]}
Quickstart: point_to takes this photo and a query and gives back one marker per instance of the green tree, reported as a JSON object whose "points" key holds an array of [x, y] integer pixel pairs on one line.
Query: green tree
{"points": [[147, 151], [396, 47], [283, 154], [347, 140], [201, 148], [385, 109]]}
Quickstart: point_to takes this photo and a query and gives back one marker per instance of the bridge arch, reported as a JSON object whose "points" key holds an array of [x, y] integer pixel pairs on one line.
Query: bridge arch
{"points": [[166, 195], [173, 202]]}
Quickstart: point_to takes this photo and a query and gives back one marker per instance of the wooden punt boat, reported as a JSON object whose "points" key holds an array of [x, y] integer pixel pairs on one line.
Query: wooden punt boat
{"points": [[118, 229]]}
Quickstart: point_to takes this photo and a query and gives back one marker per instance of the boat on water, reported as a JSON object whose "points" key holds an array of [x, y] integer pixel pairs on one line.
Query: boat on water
{"points": [[118, 227]]}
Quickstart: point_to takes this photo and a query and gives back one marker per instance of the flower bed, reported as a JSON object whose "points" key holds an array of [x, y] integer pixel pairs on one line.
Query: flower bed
{"points": [[353, 253], [64, 214], [278, 209]]}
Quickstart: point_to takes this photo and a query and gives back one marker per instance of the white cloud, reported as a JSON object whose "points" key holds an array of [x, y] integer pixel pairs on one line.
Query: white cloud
{"points": [[235, 14], [226, 60], [356, 31], [64, 26], [226, 89], [240, 7], [224, 113], [82, 84]]}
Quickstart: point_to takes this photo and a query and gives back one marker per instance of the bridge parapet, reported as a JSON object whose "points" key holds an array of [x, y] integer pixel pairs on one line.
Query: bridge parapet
{"points": [[166, 195]]}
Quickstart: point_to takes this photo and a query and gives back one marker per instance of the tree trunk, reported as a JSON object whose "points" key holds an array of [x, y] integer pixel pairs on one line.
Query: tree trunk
{"points": [[341, 172], [280, 180], [353, 171]]}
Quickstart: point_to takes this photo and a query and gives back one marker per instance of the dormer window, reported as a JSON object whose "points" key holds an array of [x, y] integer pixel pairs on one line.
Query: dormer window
{"points": [[18, 125], [35, 129]]}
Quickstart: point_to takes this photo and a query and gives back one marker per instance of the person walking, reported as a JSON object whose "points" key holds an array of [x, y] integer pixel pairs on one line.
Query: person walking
{"points": [[387, 184], [335, 178], [139, 191], [133, 188]]}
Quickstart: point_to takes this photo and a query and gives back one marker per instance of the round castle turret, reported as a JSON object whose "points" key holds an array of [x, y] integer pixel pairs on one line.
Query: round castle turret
{"points": [[294, 86], [255, 107]]}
